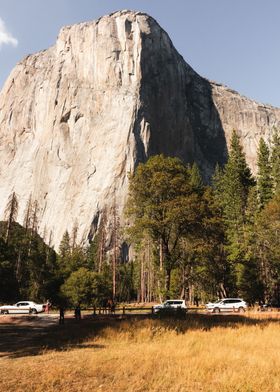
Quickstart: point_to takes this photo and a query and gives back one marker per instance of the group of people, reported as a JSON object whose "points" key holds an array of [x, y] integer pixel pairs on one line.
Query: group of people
{"points": [[109, 305], [77, 314], [77, 311]]}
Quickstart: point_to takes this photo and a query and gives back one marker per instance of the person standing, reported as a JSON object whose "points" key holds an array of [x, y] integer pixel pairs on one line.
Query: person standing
{"points": [[47, 307], [78, 312], [61, 315]]}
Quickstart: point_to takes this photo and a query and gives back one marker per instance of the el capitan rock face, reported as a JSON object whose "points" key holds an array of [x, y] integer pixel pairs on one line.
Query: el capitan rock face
{"points": [[77, 118]]}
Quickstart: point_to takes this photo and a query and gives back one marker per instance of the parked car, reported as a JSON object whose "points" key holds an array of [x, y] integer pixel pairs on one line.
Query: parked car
{"points": [[22, 307], [227, 305], [171, 304]]}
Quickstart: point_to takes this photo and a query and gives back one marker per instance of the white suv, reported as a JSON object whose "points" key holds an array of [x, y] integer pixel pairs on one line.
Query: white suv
{"points": [[171, 304], [227, 305]]}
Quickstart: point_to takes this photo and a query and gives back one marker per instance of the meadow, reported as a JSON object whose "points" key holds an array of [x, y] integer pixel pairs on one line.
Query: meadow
{"points": [[200, 353]]}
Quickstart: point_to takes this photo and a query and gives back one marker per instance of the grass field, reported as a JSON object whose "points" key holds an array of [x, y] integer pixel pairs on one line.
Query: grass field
{"points": [[201, 353]]}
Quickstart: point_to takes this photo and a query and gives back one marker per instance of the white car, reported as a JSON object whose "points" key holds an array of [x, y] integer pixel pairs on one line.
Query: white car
{"points": [[171, 304], [227, 305], [22, 307]]}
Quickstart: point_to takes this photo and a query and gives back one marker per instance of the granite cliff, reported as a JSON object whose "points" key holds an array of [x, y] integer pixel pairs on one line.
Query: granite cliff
{"points": [[77, 118]]}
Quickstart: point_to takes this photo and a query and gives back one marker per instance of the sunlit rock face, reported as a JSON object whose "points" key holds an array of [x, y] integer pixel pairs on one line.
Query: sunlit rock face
{"points": [[252, 120], [77, 118]]}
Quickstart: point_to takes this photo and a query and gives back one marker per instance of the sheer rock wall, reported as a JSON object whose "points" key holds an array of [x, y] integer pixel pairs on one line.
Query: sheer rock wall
{"points": [[77, 118]]}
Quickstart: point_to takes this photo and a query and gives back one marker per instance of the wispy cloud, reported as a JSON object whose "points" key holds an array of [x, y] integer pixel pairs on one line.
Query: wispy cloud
{"points": [[6, 37]]}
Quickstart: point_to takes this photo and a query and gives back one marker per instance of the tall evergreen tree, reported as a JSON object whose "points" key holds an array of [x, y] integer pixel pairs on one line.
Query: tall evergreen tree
{"points": [[74, 235], [236, 183], [267, 248], [64, 254], [196, 179], [264, 178], [250, 279], [65, 247], [11, 212], [275, 161], [28, 213], [232, 187]]}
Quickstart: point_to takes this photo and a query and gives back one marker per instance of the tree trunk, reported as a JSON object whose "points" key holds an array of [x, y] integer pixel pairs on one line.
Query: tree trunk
{"points": [[222, 291], [114, 274], [167, 279], [142, 279], [160, 255], [183, 291]]}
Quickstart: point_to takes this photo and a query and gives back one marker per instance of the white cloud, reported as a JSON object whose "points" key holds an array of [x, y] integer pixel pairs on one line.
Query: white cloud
{"points": [[6, 38]]}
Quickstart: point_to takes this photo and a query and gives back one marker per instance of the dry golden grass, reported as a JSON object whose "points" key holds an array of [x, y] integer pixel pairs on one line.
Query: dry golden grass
{"points": [[197, 354]]}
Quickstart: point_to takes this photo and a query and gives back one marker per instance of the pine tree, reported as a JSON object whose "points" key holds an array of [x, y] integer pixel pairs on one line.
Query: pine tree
{"points": [[34, 220], [11, 212], [196, 179], [28, 212], [64, 247], [264, 180], [236, 183], [217, 185], [64, 253], [250, 278], [267, 248], [232, 187], [275, 161]]}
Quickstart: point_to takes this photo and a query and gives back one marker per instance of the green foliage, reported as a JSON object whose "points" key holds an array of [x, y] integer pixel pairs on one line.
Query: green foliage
{"points": [[251, 287], [264, 178], [9, 288], [86, 287], [27, 266], [11, 212], [267, 247], [187, 223], [232, 187], [275, 161], [125, 289], [71, 258], [165, 202], [80, 287], [235, 184], [196, 179], [188, 240]]}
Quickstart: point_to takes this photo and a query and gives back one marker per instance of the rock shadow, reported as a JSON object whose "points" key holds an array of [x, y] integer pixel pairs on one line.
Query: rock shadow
{"points": [[177, 116]]}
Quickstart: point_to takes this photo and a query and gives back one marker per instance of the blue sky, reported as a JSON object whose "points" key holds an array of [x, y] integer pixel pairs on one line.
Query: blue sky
{"points": [[235, 42]]}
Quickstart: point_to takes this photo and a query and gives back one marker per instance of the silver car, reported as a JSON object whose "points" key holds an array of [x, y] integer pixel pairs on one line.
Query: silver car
{"points": [[227, 305], [171, 304]]}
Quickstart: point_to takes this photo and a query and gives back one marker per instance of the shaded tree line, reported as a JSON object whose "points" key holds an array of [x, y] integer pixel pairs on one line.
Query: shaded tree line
{"points": [[182, 238], [28, 267], [208, 241]]}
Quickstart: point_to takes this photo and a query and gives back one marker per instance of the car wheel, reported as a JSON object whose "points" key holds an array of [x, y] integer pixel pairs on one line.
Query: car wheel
{"points": [[6, 312], [216, 310], [241, 309], [34, 311]]}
